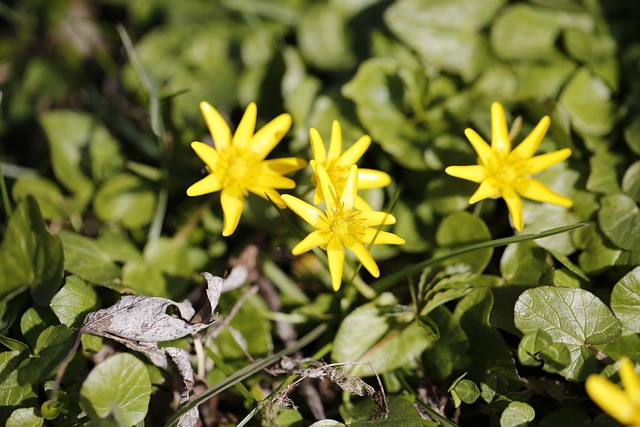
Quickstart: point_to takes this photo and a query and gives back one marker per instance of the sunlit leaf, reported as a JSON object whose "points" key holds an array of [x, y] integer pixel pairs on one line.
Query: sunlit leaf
{"points": [[571, 316], [625, 300], [119, 384]]}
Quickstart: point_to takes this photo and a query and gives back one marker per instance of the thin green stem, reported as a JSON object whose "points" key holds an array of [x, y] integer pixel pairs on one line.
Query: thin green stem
{"points": [[390, 280], [248, 371]]}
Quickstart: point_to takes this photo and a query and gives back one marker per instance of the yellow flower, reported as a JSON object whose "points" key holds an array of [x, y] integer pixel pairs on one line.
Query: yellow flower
{"points": [[503, 172], [237, 165], [337, 164], [342, 225], [623, 405]]}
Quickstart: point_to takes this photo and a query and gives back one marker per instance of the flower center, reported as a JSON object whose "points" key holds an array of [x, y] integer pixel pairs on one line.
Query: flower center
{"points": [[235, 171], [504, 175], [346, 223]]}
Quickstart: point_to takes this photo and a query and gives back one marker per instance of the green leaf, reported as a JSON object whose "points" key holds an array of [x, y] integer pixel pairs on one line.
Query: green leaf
{"points": [[597, 50], [598, 254], [47, 193], [525, 264], [462, 228], [14, 393], [632, 135], [84, 258], [401, 413], [118, 247], [440, 359], [603, 172], [25, 417], [327, 423], [163, 272], [252, 325], [72, 303], [575, 318], [119, 384], [323, 39], [464, 390], [393, 337], [125, 199], [52, 346], [29, 255], [625, 300], [619, 218], [378, 89], [522, 31], [70, 134], [517, 414], [542, 79], [588, 101], [445, 33], [488, 354], [631, 181]]}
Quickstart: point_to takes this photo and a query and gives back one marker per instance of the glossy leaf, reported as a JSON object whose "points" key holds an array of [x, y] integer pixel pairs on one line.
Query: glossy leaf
{"points": [[84, 258], [625, 300], [25, 417], [72, 303], [517, 414], [463, 228], [619, 219], [570, 316], [120, 384], [29, 256], [393, 338], [125, 199]]}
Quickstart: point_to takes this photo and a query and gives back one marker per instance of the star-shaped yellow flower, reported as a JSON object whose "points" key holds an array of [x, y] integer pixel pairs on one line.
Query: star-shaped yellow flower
{"points": [[623, 405], [337, 164], [237, 165], [503, 172], [342, 225]]}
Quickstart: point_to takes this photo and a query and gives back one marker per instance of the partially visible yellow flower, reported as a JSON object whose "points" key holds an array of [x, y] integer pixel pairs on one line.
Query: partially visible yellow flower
{"points": [[337, 164], [621, 404], [237, 165], [503, 172], [342, 225]]}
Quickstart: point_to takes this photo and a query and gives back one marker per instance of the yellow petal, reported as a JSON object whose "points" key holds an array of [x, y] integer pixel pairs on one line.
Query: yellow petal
{"points": [[535, 190], [375, 218], [544, 161], [207, 154], [610, 398], [208, 184], [269, 136], [304, 210], [317, 146], [527, 148], [328, 190], [361, 204], [630, 381], [218, 128], [485, 191], [500, 142], [246, 127], [480, 146], [335, 145], [363, 255], [285, 165], [514, 204], [355, 152], [232, 201], [275, 197], [475, 173], [271, 180], [350, 190], [313, 240], [379, 237], [335, 254], [371, 178]]}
